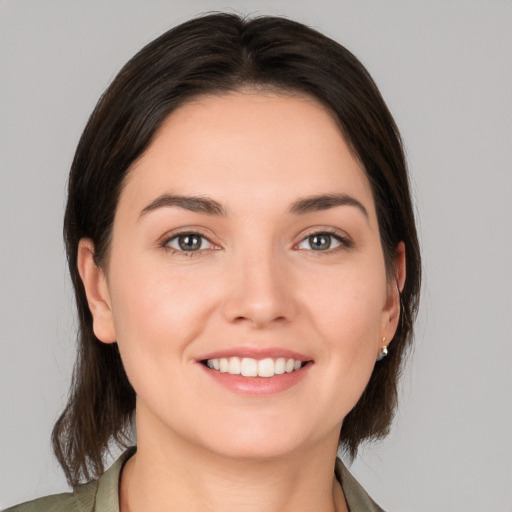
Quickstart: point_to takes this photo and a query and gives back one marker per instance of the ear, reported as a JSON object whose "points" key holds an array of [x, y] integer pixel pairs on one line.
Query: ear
{"points": [[391, 312], [96, 289]]}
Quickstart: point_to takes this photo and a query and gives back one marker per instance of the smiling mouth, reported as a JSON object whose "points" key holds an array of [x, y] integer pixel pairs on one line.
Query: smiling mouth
{"points": [[249, 367]]}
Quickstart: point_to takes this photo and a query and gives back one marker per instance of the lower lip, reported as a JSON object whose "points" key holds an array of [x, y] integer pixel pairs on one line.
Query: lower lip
{"points": [[258, 385]]}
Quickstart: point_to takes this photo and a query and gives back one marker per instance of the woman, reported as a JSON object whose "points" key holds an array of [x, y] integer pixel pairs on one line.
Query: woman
{"points": [[242, 245]]}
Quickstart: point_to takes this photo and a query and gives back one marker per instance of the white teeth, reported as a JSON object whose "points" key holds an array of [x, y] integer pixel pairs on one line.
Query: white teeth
{"points": [[234, 366], [280, 366], [266, 368], [249, 367], [223, 365]]}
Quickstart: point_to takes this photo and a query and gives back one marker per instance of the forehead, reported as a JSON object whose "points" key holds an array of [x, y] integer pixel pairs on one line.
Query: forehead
{"points": [[266, 147]]}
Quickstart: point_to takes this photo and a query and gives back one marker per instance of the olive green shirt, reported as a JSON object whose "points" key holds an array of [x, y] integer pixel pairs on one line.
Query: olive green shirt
{"points": [[102, 495]]}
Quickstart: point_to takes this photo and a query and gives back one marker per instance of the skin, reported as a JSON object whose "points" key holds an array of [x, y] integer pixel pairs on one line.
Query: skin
{"points": [[256, 282]]}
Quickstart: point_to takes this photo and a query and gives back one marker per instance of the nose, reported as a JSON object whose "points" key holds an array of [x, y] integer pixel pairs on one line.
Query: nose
{"points": [[260, 291]]}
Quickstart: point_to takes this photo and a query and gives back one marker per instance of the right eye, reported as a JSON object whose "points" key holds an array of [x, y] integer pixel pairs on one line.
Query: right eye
{"points": [[189, 242]]}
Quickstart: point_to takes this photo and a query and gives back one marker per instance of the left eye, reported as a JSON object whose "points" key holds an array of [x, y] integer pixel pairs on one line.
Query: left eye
{"points": [[320, 242], [189, 242]]}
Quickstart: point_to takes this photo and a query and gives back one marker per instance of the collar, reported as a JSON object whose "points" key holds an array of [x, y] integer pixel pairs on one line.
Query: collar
{"points": [[102, 495]]}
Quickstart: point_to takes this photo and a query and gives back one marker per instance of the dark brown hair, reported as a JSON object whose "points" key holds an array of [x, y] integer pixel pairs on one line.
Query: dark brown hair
{"points": [[213, 54]]}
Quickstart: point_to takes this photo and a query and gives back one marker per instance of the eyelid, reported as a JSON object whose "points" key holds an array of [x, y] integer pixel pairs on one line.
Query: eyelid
{"points": [[176, 239], [345, 241], [188, 230]]}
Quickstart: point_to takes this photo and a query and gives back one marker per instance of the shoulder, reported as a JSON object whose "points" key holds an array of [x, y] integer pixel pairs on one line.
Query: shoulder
{"points": [[56, 503], [357, 498], [100, 495], [80, 500]]}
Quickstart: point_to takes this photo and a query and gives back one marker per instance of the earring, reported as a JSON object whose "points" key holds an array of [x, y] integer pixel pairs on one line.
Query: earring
{"points": [[383, 351]]}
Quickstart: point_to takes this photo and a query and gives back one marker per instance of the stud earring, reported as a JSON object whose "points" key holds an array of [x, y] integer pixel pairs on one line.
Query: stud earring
{"points": [[383, 351]]}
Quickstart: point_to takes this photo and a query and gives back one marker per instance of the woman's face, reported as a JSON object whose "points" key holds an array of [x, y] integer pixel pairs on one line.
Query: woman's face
{"points": [[245, 237]]}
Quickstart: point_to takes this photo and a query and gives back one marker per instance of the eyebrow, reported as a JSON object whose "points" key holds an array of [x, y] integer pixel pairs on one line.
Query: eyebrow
{"points": [[209, 206], [324, 202], [193, 203]]}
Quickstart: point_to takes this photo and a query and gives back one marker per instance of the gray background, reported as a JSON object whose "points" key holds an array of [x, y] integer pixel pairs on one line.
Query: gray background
{"points": [[445, 69]]}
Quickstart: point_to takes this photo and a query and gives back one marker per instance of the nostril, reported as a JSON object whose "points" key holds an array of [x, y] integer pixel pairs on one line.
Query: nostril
{"points": [[259, 319]]}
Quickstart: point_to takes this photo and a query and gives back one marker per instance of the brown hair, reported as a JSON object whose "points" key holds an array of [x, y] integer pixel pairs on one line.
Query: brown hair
{"points": [[213, 54]]}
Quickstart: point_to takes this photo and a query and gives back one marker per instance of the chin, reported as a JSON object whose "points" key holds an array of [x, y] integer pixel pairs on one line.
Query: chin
{"points": [[262, 440], [256, 451]]}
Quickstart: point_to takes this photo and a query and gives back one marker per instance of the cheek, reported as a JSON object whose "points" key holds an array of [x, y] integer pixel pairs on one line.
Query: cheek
{"points": [[168, 308], [348, 316], [156, 313], [348, 306], [156, 320]]}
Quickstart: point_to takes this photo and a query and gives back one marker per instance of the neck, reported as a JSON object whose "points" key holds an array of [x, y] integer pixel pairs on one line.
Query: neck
{"points": [[172, 474]]}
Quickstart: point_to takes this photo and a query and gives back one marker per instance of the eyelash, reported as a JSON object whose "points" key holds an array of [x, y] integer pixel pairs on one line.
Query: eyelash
{"points": [[344, 242], [165, 243]]}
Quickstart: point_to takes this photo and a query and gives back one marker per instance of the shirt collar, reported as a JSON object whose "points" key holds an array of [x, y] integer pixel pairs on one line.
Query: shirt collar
{"points": [[107, 489]]}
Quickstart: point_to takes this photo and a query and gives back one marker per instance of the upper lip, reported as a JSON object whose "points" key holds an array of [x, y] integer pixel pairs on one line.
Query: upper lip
{"points": [[255, 353]]}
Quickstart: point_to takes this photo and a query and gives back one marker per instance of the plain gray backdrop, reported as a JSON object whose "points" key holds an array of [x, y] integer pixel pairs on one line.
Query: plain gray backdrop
{"points": [[445, 70]]}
